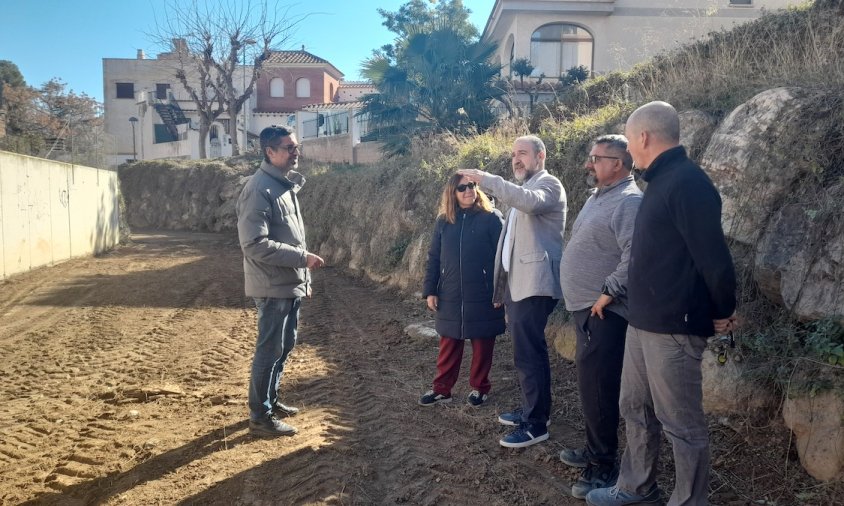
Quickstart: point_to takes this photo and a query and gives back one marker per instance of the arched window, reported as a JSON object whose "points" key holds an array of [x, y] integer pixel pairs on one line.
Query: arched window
{"points": [[557, 47], [303, 87], [276, 87]]}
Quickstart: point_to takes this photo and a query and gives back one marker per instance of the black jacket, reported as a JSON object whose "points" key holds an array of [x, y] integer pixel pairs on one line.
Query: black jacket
{"points": [[460, 272], [681, 274]]}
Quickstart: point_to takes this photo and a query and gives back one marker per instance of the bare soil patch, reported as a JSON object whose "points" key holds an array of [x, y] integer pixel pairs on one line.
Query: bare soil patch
{"points": [[123, 381]]}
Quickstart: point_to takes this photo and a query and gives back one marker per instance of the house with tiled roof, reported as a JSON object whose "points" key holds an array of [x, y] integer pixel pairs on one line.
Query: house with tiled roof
{"points": [[151, 116]]}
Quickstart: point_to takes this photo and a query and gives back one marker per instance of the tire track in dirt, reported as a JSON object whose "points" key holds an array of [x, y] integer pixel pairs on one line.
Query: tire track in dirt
{"points": [[129, 387], [113, 355], [384, 448]]}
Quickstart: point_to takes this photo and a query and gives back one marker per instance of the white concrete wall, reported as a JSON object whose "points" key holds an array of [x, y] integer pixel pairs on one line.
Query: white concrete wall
{"points": [[52, 211]]}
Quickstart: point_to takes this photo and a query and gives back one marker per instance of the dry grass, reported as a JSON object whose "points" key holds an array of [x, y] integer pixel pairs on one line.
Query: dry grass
{"points": [[799, 47]]}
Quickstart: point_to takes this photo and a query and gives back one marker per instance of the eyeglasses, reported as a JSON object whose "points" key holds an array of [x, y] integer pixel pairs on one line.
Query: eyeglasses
{"points": [[593, 159], [292, 148], [468, 186]]}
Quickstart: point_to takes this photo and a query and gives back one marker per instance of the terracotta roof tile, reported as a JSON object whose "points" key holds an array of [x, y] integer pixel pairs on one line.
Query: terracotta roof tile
{"points": [[332, 106], [356, 84], [294, 57]]}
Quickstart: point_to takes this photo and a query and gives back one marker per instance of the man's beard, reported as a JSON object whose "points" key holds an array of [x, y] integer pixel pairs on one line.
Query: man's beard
{"points": [[591, 179], [527, 174]]}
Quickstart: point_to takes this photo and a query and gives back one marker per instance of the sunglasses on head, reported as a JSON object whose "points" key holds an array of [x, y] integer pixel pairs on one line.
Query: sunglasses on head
{"points": [[468, 186]]}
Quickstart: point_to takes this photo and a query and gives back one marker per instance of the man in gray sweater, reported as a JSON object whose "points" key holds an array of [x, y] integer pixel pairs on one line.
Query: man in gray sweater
{"points": [[593, 276]]}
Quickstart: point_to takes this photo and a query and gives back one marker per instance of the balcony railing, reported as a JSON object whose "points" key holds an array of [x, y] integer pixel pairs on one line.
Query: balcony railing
{"points": [[326, 125]]}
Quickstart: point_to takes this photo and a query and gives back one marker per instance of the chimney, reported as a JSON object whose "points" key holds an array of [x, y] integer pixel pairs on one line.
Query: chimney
{"points": [[303, 47], [180, 45], [141, 55]]}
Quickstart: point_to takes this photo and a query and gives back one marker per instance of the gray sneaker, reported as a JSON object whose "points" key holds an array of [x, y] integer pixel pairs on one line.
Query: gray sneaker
{"points": [[270, 426], [614, 496], [577, 457], [594, 476], [281, 409]]}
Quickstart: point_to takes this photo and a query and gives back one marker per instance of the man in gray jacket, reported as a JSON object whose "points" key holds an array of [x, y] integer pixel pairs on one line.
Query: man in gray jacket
{"points": [[593, 276], [527, 273], [276, 266]]}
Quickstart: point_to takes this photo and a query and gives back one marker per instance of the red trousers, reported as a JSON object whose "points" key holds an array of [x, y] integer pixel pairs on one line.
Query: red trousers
{"points": [[448, 364]]}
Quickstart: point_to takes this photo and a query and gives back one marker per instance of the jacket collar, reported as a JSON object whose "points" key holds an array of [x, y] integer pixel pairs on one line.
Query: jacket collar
{"points": [[664, 161], [292, 179], [534, 178]]}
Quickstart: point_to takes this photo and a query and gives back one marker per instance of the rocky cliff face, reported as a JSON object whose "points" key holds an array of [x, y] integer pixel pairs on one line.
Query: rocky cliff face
{"points": [[779, 202]]}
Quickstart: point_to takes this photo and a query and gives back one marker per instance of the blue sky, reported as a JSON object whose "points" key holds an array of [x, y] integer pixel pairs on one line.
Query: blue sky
{"points": [[69, 38]]}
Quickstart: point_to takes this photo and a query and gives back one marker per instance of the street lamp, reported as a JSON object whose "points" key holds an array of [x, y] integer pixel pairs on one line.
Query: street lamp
{"points": [[247, 42], [133, 120]]}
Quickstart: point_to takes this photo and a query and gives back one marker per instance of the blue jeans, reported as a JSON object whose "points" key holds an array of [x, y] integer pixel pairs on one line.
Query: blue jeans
{"points": [[277, 322]]}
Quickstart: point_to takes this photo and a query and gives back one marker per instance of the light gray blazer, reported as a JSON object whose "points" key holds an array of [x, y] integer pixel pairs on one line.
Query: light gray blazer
{"points": [[538, 211]]}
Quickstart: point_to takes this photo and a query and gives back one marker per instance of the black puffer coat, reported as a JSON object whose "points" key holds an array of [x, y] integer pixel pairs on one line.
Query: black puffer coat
{"points": [[460, 272]]}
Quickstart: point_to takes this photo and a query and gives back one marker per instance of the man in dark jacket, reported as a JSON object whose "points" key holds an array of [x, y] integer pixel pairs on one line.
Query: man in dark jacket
{"points": [[276, 265], [681, 290]]}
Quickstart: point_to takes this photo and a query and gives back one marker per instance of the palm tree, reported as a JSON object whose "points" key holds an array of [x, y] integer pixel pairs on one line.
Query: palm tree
{"points": [[439, 81], [522, 67]]}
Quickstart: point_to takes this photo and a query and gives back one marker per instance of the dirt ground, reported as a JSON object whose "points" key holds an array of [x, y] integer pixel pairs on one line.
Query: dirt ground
{"points": [[123, 381]]}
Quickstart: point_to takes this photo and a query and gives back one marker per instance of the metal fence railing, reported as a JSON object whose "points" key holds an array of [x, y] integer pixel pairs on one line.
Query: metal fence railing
{"points": [[326, 125]]}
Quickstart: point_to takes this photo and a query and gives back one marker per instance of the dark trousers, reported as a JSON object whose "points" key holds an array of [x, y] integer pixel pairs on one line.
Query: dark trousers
{"points": [[527, 319], [600, 355], [448, 364]]}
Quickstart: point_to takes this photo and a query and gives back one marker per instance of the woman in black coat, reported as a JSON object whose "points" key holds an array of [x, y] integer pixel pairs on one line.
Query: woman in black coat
{"points": [[458, 287]]}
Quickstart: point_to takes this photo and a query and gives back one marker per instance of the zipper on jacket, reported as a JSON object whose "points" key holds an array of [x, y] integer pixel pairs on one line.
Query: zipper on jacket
{"points": [[460, 270]]}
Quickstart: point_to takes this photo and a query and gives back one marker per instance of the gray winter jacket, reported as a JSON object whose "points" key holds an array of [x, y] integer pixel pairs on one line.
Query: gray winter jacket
{"points": [[272, 234]]}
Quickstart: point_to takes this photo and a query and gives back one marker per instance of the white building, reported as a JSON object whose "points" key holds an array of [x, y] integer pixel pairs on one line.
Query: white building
{"points": [[606, 35], [151, 115]]}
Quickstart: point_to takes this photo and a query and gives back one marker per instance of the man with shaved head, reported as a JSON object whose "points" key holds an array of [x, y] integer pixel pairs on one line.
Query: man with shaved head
{"points": [[681, 289]]}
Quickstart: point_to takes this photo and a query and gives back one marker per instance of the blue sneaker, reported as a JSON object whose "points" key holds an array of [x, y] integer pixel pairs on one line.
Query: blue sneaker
{"points": [[525, 435], [514, 418], [432, 398], [614, 496]]}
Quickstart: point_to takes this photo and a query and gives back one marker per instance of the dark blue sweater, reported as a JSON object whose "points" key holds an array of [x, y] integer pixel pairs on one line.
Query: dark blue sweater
{"points": [[681, 273]]}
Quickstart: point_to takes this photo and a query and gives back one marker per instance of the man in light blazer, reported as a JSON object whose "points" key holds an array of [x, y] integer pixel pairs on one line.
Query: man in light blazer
{"points": [[527, 274]]}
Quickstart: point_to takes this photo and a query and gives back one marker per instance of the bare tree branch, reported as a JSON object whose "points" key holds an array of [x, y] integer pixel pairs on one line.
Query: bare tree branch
{"points": [[211, 42]]}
